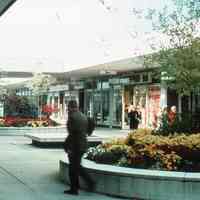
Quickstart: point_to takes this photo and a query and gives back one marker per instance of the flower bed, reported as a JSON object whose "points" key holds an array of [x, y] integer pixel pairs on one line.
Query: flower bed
{"points": [[24, 122], [142, 149]]}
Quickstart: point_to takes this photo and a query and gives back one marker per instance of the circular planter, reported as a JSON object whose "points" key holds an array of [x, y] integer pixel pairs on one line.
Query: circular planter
{"points": [[139, 183]]}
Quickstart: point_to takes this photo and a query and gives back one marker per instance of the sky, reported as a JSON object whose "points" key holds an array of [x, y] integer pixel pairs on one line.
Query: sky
{"points": [[61, 35]]}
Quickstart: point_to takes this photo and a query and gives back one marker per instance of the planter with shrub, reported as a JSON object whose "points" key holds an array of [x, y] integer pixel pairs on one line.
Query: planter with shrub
{"points": [[144, 149]]}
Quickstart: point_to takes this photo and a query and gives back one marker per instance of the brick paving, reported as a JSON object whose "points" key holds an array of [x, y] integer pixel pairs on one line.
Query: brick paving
{"points": [[31, 173]]}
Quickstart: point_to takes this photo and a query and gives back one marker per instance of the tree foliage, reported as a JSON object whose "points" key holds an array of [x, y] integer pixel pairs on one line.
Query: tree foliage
{"points": [[39, 86], [40, 83], [178, 55], [18, 106]]}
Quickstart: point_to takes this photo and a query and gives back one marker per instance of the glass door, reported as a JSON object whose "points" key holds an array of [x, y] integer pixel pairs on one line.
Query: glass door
{"points": [[105, 107], [97, 107], [117, 108], [127, 101], [88, 108]]}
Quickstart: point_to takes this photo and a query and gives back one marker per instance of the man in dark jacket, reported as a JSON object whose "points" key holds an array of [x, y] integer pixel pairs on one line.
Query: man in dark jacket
{"points": [[134, 116], [76, 142]]}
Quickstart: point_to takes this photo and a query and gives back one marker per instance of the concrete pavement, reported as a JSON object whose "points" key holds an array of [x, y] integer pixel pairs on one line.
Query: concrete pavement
{"points": [[110, 132], [31, 173]]}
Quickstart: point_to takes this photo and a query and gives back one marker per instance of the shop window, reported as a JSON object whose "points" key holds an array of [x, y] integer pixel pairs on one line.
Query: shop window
{"points": [[145, 77], [99, 85], [136, 78], [197, 103], [140, 93], [172, 98], [153, 106], [97, 107], [156, 78], [88, 103], [117, 108], [185, 104], [91, 85], [105, 85], [105, 107]]}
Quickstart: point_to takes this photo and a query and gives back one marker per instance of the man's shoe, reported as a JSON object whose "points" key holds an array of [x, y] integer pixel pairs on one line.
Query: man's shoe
{"points": [[72, 192]]}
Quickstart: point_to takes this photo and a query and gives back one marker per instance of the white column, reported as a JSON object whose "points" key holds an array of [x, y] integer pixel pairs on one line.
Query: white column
{"points": [[48, 98], [179, 103], [111, 99], [59, 107], [52, 103], [123, 108], [163, 95], [146, 112]]}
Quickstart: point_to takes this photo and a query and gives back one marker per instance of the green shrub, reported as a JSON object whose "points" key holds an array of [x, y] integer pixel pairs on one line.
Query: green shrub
{"points": [[18, 106], [183, 124], [142, 149]]}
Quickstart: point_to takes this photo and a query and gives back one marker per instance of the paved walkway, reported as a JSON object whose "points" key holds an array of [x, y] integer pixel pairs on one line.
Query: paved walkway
{"points": [[108, 132], [31, 173]]}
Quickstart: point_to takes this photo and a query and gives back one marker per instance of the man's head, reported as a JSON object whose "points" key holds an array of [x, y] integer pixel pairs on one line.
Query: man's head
{"points": [[173, 109], [72, 105]]}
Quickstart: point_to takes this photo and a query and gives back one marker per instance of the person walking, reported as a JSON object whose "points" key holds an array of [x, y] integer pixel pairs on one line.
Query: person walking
{"points": [[134, 117], [172, 115], [75, 146]]}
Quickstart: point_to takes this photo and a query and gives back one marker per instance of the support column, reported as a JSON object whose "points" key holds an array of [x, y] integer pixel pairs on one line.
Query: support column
{"points": [[180, 103], [52, 103], [123, 108], [163, 95], [48, 98], [59, 108], [92, 104], [111, 103]]}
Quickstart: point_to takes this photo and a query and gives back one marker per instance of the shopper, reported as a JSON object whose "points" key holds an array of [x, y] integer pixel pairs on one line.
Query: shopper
{"points": [[75, 146], [133, 117], [172, 115]]}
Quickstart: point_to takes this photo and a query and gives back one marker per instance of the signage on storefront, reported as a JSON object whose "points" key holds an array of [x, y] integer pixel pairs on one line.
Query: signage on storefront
{"points": [[114, 81], [78, 85], [105, 85], [124, 80], [57, 88], [117, 87]]}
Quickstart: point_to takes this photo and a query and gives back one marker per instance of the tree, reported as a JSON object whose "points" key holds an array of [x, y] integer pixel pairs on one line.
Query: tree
{"points": [[39, 86], [18, 106], [178, 55]]}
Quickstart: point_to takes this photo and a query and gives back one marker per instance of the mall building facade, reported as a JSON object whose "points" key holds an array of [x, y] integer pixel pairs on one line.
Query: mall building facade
{"points": [[105, 96]]}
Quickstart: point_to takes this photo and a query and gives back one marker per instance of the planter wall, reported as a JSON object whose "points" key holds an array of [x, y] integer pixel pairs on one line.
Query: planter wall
{"points": [[139, 183], [25, 130]]}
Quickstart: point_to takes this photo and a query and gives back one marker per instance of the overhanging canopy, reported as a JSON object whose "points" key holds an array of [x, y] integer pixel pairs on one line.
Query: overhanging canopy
{"points": [[4, 5]]}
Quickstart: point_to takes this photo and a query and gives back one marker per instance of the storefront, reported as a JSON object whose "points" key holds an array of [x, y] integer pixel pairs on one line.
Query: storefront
{"points": [[107, 100], [56, 98], [100, 98], [146, 100], [104, 102]]}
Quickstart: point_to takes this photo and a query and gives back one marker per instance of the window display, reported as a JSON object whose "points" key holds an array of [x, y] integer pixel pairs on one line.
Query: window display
{"points": [[117, 108]]}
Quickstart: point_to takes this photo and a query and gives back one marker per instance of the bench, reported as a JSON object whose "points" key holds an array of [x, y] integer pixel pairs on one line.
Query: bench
{"points": [[57, 140]]}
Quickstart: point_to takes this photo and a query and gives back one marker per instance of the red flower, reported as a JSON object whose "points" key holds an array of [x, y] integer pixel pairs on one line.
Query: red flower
{"points": [[49, 109]]}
